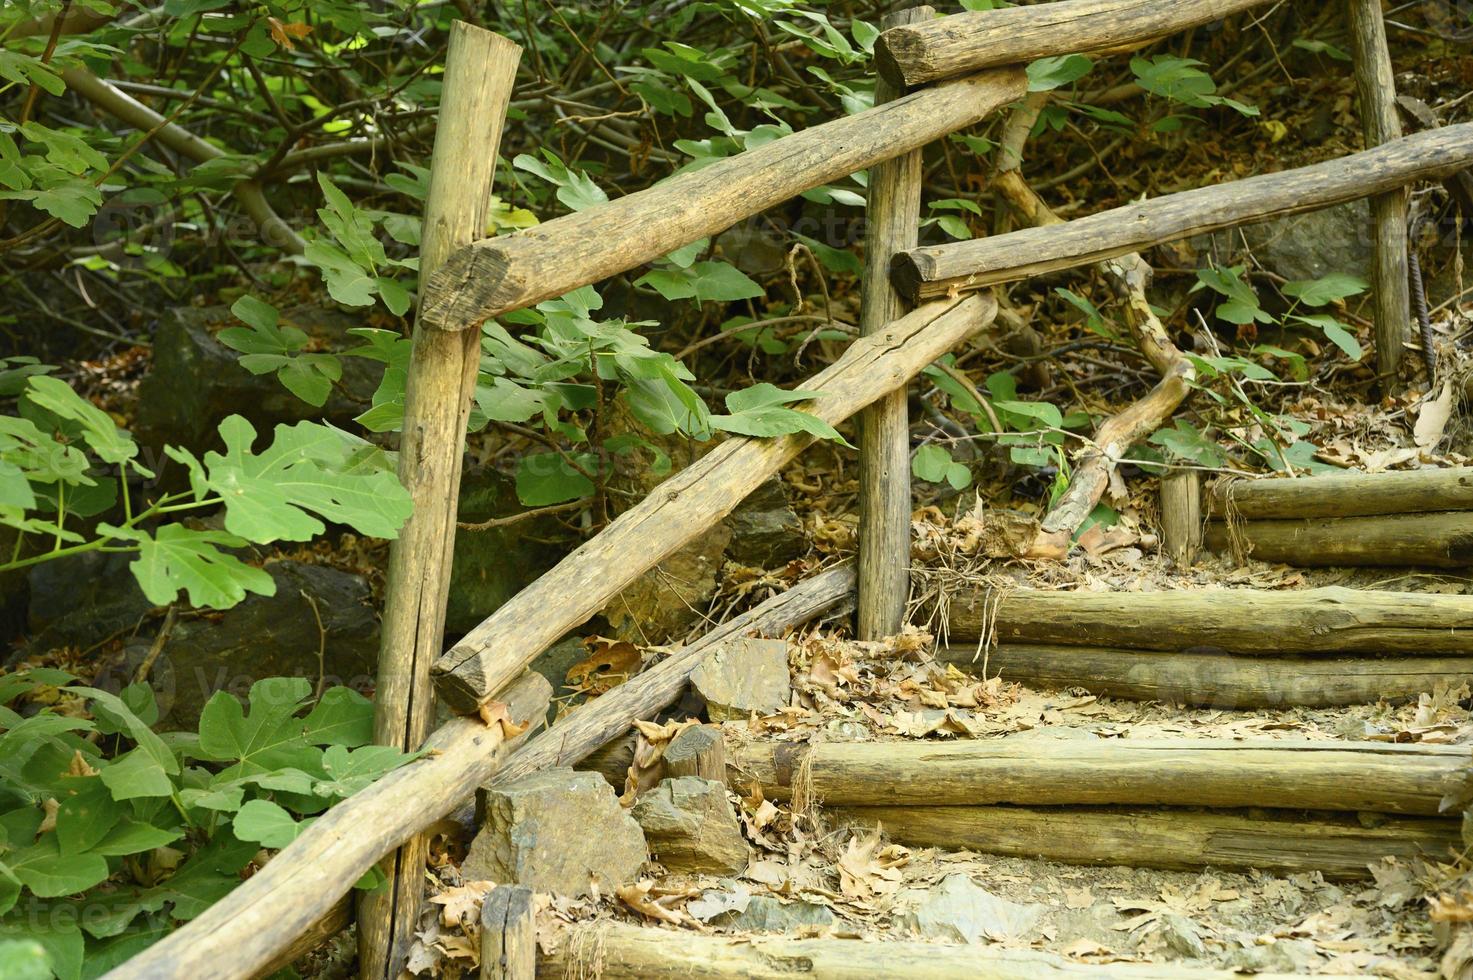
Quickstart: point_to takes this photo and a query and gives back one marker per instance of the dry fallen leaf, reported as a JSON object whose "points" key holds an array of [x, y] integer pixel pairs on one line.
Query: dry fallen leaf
{"points": [[499, 713], [609, 663], [1432, 418], [461, 905]]}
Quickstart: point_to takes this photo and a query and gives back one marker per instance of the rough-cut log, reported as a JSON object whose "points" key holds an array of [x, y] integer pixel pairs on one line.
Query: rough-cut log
{"points": [[1181, 515], [497, 275], [335, 921], [1210, 772], [892, 219], [248, 928], [579, 734], [954, 45], [480, 70], [1329, 620], [1375, 86], [1217, 680], [941, 269], [1345, 495], [1440, 540], [616, 951], [698, 751], [508, 934], [1338, 846], [684, 506]]}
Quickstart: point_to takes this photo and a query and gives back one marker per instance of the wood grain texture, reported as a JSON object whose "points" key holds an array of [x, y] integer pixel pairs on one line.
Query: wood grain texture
{"points": [[892, 224], [578, 735], [935, 49], [1345, 494], [480, 70], [1215, 680], [1437, 540], [248, 928], [1208, 772], [616, 951], [337, 918], [1181, 515], [1248, 621], [508, 934], [687, 504], [1337, 846], [497, 275], [1375, 86], [941, 269], [698, 751]]}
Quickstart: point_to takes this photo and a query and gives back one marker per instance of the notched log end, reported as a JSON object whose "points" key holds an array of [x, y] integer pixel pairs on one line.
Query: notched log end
{"points": [[459, 683], [906, 275], [896, 53], [472, 286]]}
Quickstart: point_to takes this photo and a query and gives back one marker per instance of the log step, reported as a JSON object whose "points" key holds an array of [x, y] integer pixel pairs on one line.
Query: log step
{"points": [[1208, 772], [1243, 621], [1443, 539], [1215, 680], [1171, 838], [1345, 495]]}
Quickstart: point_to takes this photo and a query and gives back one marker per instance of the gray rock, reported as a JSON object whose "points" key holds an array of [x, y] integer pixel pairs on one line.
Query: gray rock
{"points": [[1284, 956], [765, 530], [82, 600], [752, 249], [1182, 936], [267, 636], [741, 676], [195, 381], [494, 564], [959, 910], [1309, 245], [691, 828], [556, 831], [766, 914]]}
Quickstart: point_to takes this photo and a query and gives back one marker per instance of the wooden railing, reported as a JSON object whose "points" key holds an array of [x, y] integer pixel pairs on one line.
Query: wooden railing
{"points": [[467, 281]]}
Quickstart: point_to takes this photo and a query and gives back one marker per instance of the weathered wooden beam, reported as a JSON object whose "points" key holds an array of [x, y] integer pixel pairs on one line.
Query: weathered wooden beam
{"points": [[508, 934], [1212, 772], [1438, 540], [618, 951], [1345, 494], [698, 751], [1181, 515], [1249, 621], [1336, 845], [892, 222], [248, 928], [938, 270], [480, 70], [954, 45], [684, 506], [497, 275], [578, 735], [1375, 86], [1216, 680]]}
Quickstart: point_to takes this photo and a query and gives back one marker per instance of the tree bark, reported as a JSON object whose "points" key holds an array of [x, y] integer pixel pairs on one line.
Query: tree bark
{"points": [[684, 506], [1216, 680], [1248, 621], [1438, 540], [892, 216], [1345, 495], [1375, 86], [480, 71], [1209, 772], [935, 49], [939, 270], [1171, 837], [497, 275]]}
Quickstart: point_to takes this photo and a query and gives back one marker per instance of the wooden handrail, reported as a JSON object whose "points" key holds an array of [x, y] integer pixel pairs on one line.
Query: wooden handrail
{"points": [[915, 54], [941, 270], [498, 275]]}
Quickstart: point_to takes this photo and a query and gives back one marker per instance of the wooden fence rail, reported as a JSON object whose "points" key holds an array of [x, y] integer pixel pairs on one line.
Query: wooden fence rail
{"points": [[939, 270]]}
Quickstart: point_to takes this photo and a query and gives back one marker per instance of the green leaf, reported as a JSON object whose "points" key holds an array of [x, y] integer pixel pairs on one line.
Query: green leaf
{"points": [[341, 717], [764, 395], [1047, 74], [545, 478], [85, 818], [308, 469], [1326, 289], [266, 823], [101, 433], [270, 737], [48, 873], [181, 559], [1335, 332], [24, 959], [714, 281], [135, 837]]}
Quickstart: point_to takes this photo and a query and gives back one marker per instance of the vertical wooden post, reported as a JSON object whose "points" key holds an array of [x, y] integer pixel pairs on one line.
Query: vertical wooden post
{"points": [[1376, 90], [1181, 515], [480, 70], [508, 934], [892, 218], [698, 751]]}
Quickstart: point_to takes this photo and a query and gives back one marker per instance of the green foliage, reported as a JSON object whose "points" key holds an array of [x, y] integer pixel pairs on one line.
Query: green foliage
{"points": [[111, 833], [933, 464]]}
